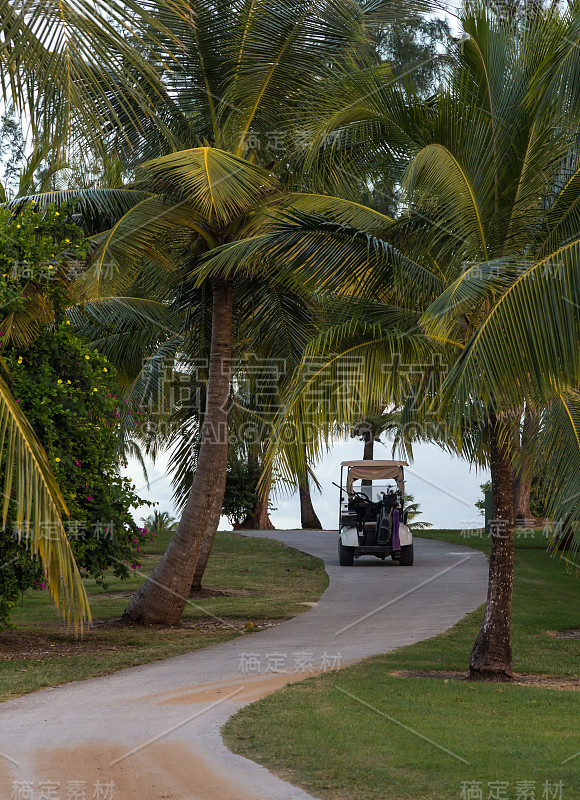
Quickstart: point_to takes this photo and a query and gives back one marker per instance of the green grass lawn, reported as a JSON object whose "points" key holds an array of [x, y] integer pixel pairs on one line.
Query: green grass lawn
{"points": [[258, 581], [320, 734]]}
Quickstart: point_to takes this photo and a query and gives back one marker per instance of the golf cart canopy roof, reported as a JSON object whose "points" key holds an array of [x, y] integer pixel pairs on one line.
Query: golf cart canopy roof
{"points": [[374, 470]]}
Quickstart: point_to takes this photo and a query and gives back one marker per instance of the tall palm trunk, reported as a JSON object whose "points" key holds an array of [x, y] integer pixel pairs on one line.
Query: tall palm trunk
{"points": [[369, 449], [522, 495], [162, 598], [308, 516], [523, 477], [206, 547], [491, 657]]}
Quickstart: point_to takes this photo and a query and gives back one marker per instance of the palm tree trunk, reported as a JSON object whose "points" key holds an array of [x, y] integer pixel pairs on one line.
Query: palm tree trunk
{"points": [[491, 657], [206, 548], [523, 478], [259, 519], [162, 598], [202, 560], [308, 516], [369, 449], [522, 493]]}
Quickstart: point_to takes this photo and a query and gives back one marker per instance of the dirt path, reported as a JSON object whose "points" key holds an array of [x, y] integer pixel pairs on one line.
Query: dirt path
{"points": [[152, 732]]}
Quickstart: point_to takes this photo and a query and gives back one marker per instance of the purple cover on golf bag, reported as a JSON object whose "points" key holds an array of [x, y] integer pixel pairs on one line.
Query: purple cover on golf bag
{"points": [[396, 540]]}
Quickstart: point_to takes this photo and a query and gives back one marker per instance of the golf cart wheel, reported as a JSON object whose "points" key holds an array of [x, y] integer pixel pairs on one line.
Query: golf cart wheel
{"points": [[406, 559], [345, 555]]}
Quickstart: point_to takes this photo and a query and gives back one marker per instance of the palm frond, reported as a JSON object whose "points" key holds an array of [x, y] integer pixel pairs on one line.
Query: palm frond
{"points": [[217, 185], [30, 487]]}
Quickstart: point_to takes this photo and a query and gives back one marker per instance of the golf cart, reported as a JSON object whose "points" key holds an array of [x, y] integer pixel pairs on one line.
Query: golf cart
{"points": [[371, 517]]}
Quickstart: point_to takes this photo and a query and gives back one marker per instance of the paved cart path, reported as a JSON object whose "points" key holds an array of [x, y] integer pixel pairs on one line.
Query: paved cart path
{"points": [[153, 730]]}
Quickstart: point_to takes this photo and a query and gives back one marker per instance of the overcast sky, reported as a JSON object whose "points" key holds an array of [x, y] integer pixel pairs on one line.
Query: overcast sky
{"points": [[444, 486]]}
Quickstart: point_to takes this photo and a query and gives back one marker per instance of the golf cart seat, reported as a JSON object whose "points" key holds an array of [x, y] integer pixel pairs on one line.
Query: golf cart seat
{"points": [[366, 512]]}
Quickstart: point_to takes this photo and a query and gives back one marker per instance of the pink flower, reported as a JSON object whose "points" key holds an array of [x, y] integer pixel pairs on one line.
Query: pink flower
{"points": [[89, 497], [78, 463]]}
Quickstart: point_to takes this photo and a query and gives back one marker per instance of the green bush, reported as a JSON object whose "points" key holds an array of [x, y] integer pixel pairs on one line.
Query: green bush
{"points": [[69, 395]]}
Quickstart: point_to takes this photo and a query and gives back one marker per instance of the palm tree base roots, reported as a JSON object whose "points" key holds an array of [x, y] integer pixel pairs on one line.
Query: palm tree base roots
{"points": [[491, 675], [144, 614]]}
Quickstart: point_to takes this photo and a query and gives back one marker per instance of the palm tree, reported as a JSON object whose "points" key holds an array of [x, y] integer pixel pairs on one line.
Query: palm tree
{"points": [[487, 240], [160, 523], [308, 517], [204, 195], [222, 84], [412, 512]]}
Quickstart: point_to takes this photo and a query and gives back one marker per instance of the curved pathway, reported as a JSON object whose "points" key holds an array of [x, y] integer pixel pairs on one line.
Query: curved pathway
{"points": [[153, 731]]}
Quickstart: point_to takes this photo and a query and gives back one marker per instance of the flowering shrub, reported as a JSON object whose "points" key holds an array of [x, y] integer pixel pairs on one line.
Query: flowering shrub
{"points": [[69, 395], [40, 253]]}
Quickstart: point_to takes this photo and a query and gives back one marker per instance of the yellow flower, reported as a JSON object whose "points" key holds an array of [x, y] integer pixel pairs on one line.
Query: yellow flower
{"points": [[20, 359], [57, 214], [95, 390], [59, 381], [18, 226], [105, 369], [87, 357], [68, 322], [67, 240], [57, 460], [68, 383]]}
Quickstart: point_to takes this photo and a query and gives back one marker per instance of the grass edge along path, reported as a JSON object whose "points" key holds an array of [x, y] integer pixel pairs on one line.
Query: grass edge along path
{"points": [[370, 732], [252, 583]]}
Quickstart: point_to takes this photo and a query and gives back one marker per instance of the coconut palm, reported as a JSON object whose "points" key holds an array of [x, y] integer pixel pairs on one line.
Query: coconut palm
{"points": [[216, 89], [481, 267], [160, 523], [412, 512]]}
